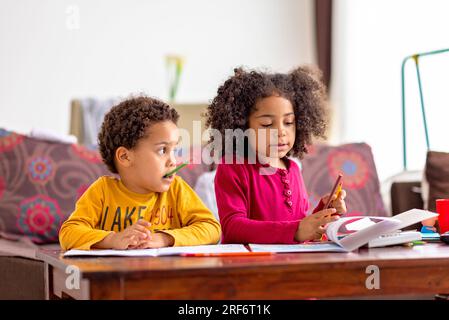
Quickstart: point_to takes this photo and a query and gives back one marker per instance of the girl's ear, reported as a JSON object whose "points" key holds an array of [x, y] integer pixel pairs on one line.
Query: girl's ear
{"points": [[123, 157]]}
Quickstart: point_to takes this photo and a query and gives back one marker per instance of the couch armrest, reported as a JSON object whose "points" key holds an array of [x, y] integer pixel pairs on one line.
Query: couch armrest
{"points": [[21, 278]]}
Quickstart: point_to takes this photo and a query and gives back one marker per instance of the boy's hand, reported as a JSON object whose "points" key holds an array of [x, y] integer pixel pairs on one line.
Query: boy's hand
{"points": [[337, 202], [130, 237], [312, 226], [157, 240]]}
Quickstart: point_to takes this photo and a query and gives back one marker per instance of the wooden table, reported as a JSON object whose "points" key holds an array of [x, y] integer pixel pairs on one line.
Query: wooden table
{"points": [[418, 270]]}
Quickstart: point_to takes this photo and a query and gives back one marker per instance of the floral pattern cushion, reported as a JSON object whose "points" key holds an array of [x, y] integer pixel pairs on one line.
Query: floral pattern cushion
{"points": [[323, 163], [40, 182]]}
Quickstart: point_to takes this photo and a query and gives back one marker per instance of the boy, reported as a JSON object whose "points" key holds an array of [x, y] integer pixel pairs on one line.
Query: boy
{"points": [[141, 209]]}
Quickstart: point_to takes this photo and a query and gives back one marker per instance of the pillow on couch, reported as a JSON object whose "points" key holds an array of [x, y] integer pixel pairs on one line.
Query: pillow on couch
{"points": [[40, 182], [323, 163]]}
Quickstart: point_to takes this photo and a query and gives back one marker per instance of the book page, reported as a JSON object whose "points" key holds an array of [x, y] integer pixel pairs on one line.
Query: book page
{"points": [[112, 252], [364, 232], [413, 216], [219, 248], [286, 248], [360, 224], [333, 227], [365, 228]]}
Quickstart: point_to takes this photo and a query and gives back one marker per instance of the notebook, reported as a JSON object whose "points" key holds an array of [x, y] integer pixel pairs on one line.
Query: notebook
{"points": [[350, 233], [168, 251]]}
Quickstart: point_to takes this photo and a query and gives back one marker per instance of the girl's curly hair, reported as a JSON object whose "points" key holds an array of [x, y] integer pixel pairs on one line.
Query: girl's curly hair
{"points": [[237, 97], [127, 122]]}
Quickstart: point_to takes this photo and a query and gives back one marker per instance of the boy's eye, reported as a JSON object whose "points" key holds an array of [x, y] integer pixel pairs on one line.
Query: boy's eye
{"points": [[289, 123], [162, 151], [266, 125]]}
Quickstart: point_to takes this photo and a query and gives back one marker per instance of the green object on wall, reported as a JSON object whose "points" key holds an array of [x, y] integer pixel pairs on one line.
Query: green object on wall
{"points": [[416, 58]]}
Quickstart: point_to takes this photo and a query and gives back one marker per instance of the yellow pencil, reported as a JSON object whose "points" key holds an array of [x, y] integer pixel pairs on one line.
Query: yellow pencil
{"points": [[339, 190], [334, 191]]}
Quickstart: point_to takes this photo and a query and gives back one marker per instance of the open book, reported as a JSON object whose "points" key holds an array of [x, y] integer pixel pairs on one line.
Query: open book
{"points": [[350, 233], [345, 234], [169, 251]]}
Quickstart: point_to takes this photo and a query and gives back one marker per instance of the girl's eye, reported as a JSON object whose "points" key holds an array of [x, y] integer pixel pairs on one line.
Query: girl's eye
{"points": [[266, 125], [289, 123], [162, 151]]}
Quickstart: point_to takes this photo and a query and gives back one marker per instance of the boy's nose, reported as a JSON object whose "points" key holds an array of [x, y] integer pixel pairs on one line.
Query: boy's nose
{"points": [[172, 160]]}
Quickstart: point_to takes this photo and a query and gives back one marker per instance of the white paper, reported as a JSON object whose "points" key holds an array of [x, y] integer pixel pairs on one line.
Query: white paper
{"points": [[360, 224], [366, 228], [413, 216], [386, 225], [359, 238], [285, 248], [221, 248]]}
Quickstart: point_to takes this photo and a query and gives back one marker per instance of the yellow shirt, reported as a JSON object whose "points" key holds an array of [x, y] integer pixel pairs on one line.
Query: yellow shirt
{"points": [[109, 206]]}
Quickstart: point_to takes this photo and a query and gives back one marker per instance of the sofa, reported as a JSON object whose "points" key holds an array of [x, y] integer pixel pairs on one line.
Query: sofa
{"points": [[21, 273], [40, 181]]}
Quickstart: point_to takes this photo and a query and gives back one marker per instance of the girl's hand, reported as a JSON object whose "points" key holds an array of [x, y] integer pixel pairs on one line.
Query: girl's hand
{"points": [[312, 226], [337, 202]]}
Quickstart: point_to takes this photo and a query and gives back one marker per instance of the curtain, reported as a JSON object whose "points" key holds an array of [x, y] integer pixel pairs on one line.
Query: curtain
{"points": [[323, 27]]}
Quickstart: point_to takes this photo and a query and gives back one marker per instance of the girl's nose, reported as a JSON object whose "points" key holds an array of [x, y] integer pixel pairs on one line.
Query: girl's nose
{"points": [[282, 131]]}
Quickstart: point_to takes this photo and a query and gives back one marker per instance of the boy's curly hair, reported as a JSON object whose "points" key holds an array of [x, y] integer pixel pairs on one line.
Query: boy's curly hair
{"points": [[127, 122], [237, 97]]}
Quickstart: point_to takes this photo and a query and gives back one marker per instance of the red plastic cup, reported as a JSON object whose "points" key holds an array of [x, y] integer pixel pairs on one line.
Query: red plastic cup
{"points": [[443, 211]]}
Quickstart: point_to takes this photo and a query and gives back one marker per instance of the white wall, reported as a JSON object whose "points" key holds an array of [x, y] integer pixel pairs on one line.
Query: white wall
{"points": [[371, 39], [54, 50]]}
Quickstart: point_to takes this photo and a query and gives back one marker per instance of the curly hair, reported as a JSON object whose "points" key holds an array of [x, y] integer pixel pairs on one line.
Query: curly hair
{"points": [[237, 97], [127, 122]]}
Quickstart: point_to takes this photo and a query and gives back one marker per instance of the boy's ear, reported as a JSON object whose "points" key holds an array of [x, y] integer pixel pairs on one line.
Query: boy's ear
{"points": [[123, 157]]}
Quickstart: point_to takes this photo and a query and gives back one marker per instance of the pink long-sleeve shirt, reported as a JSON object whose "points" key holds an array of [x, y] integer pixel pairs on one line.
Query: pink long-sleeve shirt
{"points": [[258, 208]]}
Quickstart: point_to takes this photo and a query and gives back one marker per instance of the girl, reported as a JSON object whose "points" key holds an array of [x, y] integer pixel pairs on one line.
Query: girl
{"points": [[265, 200]]}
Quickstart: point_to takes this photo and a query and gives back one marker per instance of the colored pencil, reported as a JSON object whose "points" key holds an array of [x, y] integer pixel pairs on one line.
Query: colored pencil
{"points": [[176, 170]]}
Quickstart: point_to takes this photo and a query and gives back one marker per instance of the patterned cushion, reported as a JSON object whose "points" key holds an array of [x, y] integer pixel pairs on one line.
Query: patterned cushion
{"points": [[355, 161], [40, 182]]}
